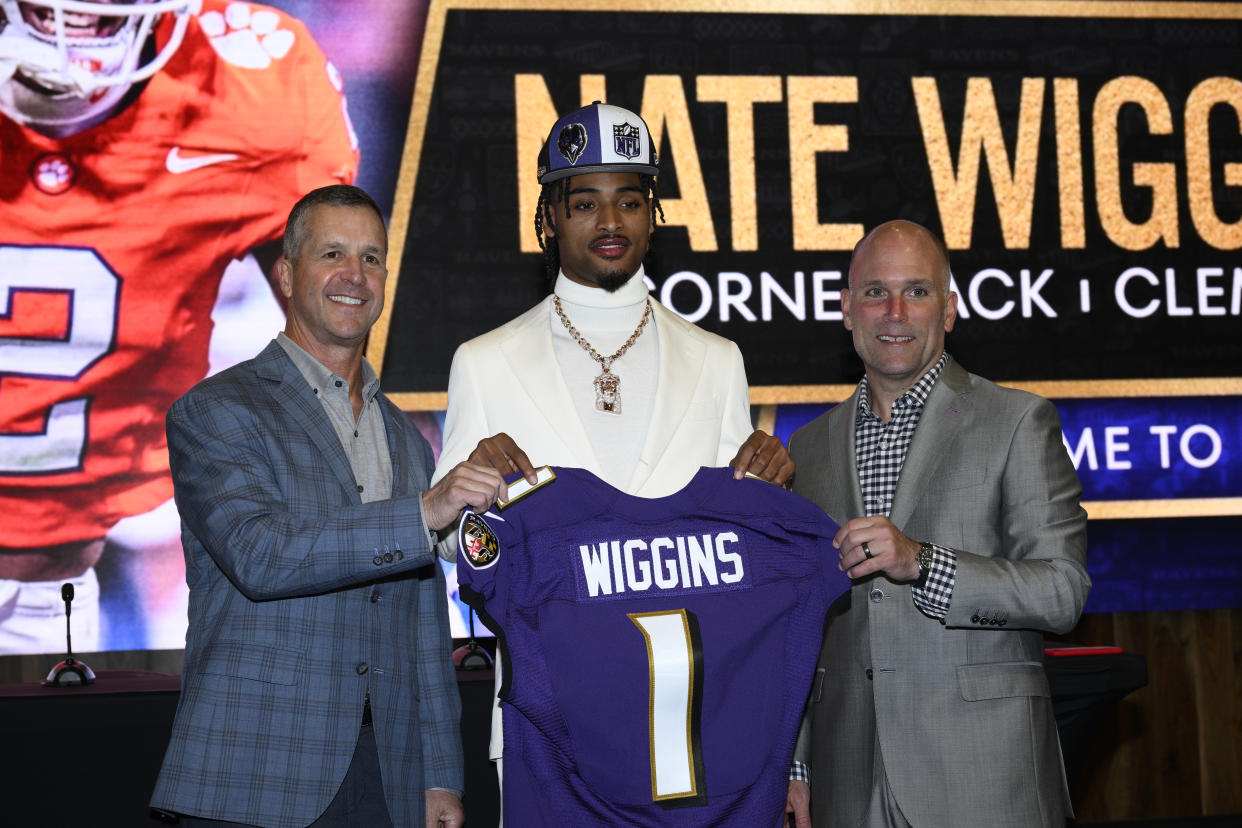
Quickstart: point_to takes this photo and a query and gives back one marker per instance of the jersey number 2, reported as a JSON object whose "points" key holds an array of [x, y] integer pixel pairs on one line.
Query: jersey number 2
{"points": [[675, 685], [89, 334]]}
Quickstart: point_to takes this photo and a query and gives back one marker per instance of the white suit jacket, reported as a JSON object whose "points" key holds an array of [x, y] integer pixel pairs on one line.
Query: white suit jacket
{"points": [[509, 380]]}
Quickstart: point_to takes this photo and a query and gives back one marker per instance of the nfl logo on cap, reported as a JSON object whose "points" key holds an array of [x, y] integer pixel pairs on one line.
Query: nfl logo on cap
{"points": [[626, 140], [597, 138]]}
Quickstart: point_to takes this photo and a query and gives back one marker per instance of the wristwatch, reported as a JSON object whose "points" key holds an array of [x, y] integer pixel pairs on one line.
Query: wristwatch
{"points": [[924, 559]]}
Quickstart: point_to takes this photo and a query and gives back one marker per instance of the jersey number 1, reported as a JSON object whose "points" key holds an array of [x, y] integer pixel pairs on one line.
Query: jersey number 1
{"points": [[675, 665]]}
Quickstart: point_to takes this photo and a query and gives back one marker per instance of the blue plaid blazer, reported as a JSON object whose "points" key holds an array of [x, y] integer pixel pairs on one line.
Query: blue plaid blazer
{"points": [[303, 600]]}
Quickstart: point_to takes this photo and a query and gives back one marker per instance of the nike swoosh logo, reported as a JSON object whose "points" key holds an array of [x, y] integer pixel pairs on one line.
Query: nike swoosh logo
{"points": [[177, 164]]}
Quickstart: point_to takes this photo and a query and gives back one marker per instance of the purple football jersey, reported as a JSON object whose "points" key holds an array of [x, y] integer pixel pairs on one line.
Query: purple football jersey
{"points": [[658, 652]]}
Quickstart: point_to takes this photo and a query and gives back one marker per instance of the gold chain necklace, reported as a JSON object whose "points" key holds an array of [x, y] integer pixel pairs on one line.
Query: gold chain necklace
{"points": [[607, 384]]}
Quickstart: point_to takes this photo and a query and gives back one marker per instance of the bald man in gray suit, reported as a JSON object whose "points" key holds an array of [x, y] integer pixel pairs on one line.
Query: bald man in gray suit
{"points": [[962, 532]]}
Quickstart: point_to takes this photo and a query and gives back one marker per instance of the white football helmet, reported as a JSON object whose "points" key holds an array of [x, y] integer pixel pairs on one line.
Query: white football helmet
{"points": [[66, 64]]}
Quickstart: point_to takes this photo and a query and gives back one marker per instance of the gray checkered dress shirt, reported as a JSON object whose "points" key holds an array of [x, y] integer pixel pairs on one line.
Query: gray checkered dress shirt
{"points": [[881, 451]]}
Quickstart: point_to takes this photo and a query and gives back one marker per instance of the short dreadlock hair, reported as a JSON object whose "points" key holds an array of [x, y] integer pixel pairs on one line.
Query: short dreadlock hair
{"points": [[558, 192]]}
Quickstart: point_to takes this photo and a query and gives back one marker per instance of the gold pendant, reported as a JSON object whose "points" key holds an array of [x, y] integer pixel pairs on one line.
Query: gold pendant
{"points": [[608, 392]]}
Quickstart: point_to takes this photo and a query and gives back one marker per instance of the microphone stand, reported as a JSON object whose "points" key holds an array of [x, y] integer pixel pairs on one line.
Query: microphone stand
{"points": [[470, 656], [70, 672]]}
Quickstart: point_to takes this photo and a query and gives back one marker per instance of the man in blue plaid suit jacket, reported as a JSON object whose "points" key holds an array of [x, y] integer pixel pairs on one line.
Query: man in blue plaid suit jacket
{"points": [[316, 604]]}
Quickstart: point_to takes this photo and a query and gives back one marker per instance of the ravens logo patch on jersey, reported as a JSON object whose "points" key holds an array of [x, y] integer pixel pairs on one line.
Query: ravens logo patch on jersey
{"points": [[477, 540]]}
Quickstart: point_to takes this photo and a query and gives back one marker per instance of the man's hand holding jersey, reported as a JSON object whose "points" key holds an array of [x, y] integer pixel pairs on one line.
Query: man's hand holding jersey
{"points": [[501, 453], [764, 456], [469, 485]]}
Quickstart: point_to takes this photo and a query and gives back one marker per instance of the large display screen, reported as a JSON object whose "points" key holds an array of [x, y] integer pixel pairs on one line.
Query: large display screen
{"points": [[1083, 162]]}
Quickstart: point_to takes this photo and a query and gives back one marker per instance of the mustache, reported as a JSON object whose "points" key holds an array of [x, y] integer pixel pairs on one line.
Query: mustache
{"points": [[610, 237]]}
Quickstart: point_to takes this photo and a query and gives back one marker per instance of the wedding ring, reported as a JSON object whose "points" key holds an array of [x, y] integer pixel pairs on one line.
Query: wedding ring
{"points": [[867, 550]]}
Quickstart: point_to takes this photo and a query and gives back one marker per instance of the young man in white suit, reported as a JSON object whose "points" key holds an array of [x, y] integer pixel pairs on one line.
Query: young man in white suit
{"points": [[963, 534], [599, 375]]}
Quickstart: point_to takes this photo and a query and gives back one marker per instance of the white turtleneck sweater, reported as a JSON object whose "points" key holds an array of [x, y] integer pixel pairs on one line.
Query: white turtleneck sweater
{"points": [[606, 320]]}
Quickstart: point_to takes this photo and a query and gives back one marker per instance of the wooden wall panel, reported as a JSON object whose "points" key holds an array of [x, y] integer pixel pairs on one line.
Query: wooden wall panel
{"points": [[1174, 748], [1216, 686]]}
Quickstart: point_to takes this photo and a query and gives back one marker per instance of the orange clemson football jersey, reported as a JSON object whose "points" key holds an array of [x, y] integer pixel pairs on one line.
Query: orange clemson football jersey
{"points": [[113, 243]]}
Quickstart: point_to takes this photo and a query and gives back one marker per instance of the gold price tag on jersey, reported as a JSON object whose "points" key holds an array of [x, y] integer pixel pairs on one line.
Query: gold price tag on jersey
{"points": [[519, 489]]}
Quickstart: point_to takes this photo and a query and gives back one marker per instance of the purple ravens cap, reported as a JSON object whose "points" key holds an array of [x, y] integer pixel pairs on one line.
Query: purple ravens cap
{"points": [[597, 138]]}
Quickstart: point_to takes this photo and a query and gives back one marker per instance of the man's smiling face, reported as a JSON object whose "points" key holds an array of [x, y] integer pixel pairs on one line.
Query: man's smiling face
{"points": [[898, 305], [335, 286]]}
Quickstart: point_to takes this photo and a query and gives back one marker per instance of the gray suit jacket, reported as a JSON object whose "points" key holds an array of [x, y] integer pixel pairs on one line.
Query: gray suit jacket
{"points": [[303, 600], [960, 710]]}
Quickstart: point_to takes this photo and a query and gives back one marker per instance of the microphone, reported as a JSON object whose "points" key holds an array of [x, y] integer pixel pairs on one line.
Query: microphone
{"points": [[70, 672]]}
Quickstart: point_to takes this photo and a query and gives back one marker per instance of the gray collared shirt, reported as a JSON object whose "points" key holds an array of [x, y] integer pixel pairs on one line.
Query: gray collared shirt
{"points": [[364, 439]]}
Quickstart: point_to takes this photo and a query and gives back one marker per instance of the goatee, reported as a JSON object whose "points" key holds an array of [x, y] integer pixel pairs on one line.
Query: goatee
{"points": [[613, 281]]}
